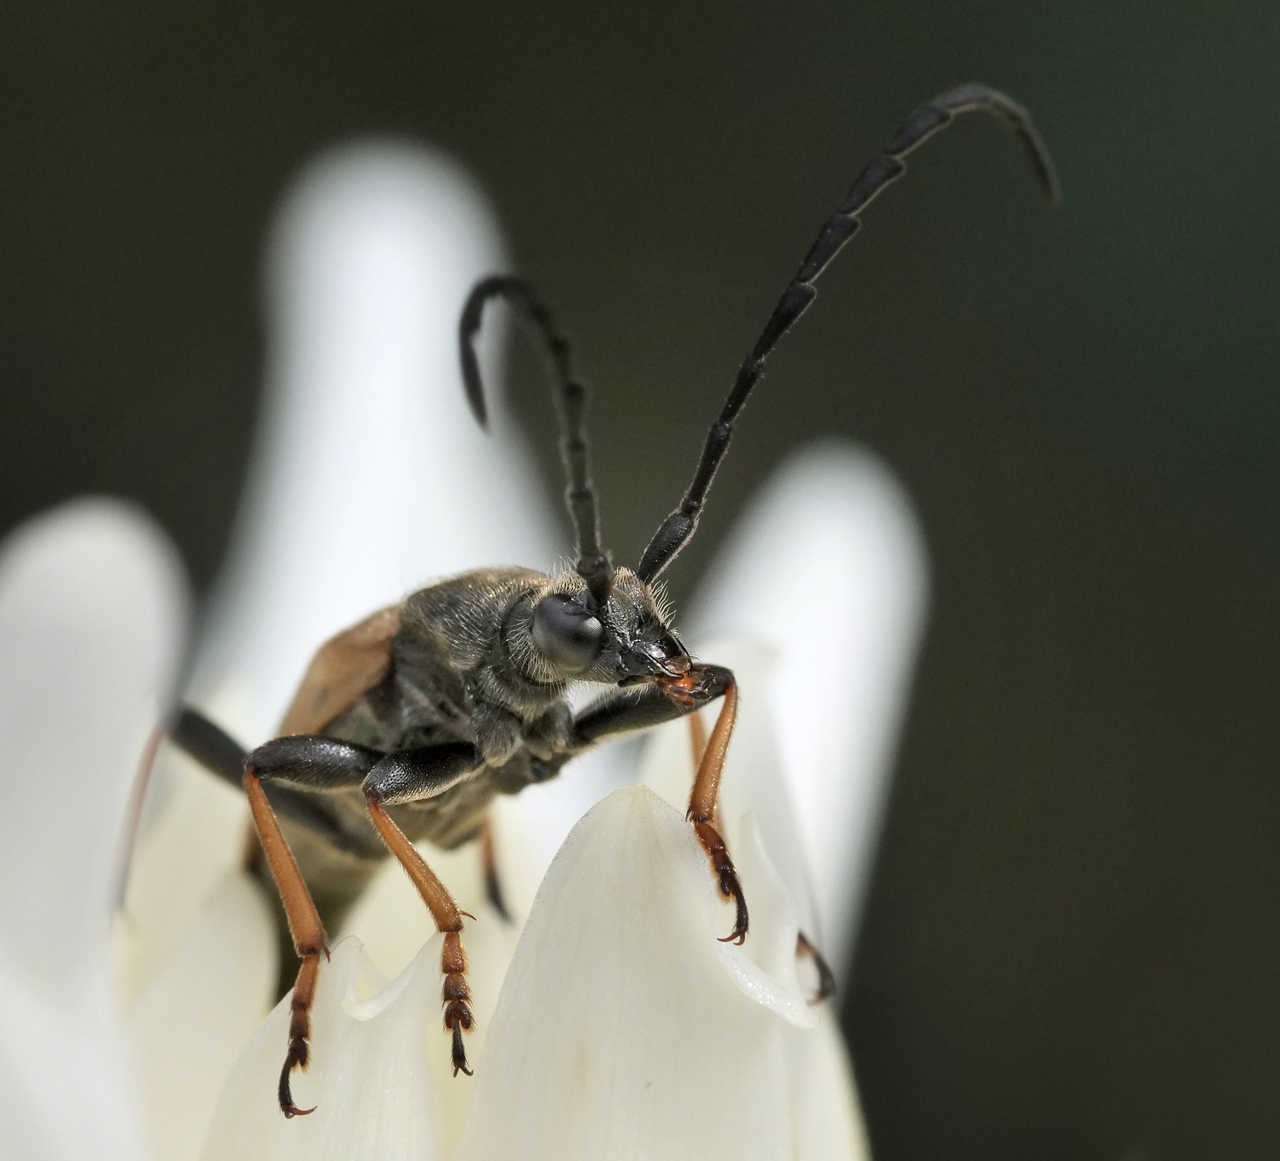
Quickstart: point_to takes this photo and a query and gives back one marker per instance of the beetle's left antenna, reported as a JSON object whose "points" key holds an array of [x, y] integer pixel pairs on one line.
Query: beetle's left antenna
{"points": [[593, 563]]}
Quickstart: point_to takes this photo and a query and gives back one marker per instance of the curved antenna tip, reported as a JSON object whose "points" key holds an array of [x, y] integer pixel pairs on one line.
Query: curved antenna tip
{"points": [[887, 167]]}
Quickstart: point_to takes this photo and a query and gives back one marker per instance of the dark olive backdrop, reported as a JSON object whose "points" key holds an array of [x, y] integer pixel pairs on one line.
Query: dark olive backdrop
{"points": [[1071, 945]]}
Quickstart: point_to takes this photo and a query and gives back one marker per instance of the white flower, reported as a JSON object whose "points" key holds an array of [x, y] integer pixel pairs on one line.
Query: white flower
{"points": [[624, 1029], [91, 612]]}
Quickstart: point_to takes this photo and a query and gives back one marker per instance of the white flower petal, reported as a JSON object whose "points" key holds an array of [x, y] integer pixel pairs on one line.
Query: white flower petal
{"points": [[197, 1012], [370, 476], [369, 1079], [65, 1087], [824, 1102], [192, 840], [619, 1033], [828, 566], [92, 605]]}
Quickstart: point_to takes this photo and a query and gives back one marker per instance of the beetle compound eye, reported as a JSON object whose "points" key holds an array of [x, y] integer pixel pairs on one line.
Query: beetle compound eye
{"points": [[567, 633]]}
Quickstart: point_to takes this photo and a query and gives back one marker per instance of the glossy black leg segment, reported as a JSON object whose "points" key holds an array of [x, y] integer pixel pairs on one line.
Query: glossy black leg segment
{"points": [[678, 528], [653, 704], [209, 744], [412, 775], [314, 762], [220, 754]]}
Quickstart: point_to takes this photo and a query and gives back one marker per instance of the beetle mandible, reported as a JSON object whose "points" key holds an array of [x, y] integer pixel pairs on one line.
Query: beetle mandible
{"points": [[407, 725]]}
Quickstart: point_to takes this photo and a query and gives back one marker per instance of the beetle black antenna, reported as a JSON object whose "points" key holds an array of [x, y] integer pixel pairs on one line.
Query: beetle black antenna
{"points": [[593, 563], [677, 529]]}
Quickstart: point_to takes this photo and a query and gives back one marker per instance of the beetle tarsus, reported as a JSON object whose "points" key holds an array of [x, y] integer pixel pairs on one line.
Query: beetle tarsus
{"points": [[460, 1049], [299, 1052], [726, 877], [456, 996], [284, 1093]]}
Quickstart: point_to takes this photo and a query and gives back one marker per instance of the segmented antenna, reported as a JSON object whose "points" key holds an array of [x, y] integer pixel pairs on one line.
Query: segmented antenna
{"points": [[678, 528], [593, 563]]}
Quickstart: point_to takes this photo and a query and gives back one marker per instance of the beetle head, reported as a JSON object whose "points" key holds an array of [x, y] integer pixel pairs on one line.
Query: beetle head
{"points": [[567, 635]]}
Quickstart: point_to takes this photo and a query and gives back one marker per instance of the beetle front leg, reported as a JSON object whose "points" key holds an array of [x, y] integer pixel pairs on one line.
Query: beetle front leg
{"points": [[702, 810], [664, 700], [804, 946], [640, 707]]}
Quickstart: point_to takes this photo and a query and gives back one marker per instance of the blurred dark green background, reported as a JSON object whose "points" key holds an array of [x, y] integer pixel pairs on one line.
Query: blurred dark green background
{"points": [[1071, 948]]}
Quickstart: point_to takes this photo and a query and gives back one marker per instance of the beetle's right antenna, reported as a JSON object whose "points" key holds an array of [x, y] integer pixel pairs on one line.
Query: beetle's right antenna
{"points": [[580, 495], [677, 529]]}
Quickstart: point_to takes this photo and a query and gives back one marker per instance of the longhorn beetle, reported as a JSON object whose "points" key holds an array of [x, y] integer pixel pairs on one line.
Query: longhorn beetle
{"points": [[406, 726]]}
